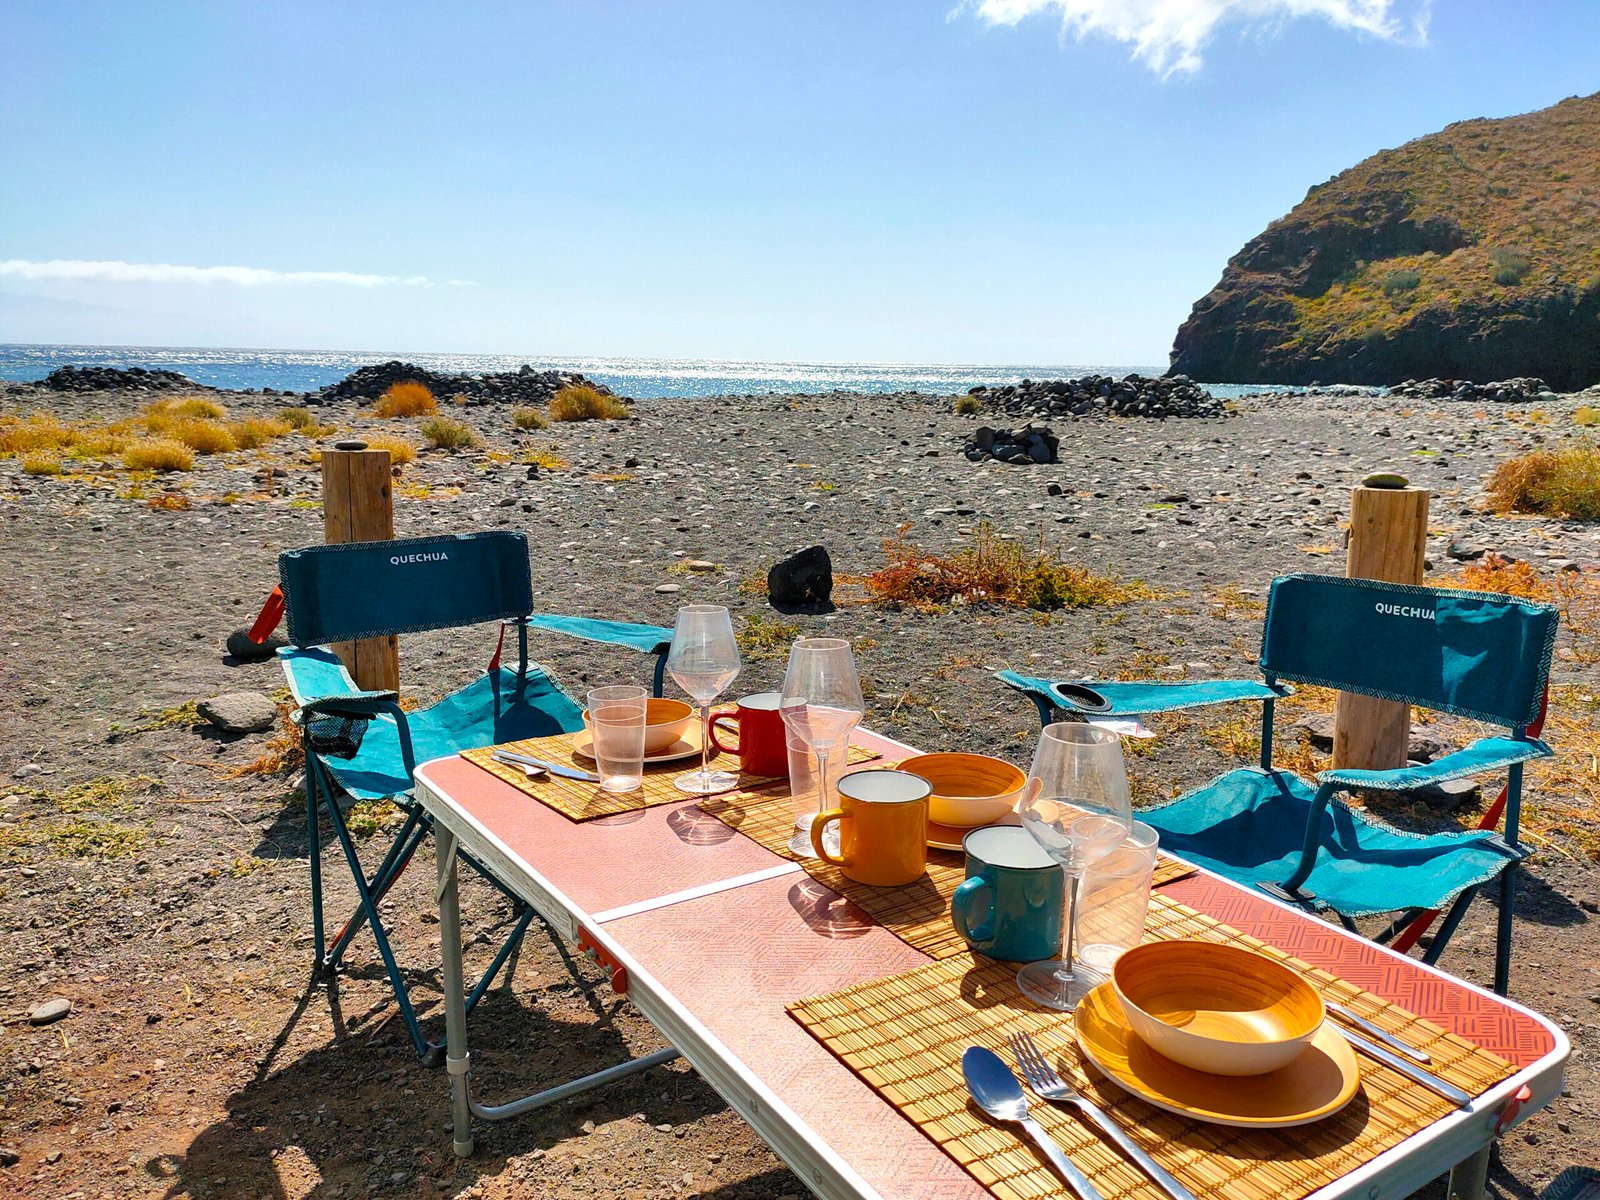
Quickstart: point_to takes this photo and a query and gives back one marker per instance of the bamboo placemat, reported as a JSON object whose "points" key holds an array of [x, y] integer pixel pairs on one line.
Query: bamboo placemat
{"points": [[917, 913], [585, 801], [904, 1036]]}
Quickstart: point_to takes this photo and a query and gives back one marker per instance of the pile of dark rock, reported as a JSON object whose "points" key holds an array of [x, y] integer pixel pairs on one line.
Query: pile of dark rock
{"points": [[1023, 446], [109, 379], [1098, 395], [1507, 391], [525, 386]]}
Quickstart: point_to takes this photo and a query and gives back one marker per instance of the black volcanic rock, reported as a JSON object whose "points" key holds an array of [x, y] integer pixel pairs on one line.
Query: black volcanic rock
{"points": [[524, 386], [1471, 253]]}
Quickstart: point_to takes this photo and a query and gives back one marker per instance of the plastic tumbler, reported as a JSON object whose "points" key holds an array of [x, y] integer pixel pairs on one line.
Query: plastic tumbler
{"points": [[1114, 898], [803, 791], [616, 720]]}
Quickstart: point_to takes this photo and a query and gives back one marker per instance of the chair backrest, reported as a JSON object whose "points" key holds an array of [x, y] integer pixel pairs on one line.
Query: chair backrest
{"points": [[1475, 654], [372, 589]]}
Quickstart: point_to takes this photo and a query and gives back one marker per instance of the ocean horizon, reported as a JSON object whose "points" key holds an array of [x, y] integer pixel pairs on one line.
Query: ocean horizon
{"points": [[236, 369]]}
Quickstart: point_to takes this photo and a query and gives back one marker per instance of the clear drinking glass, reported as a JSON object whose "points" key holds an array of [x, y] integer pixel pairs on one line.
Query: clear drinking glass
{"points": [[1114, 899], [807, 796], [821, 704], [703, 661], [617, 719], [1077, 807]]}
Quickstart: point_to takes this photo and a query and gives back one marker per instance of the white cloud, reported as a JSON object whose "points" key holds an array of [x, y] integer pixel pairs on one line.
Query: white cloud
{"points": [[1168, 35], [83, 271]]}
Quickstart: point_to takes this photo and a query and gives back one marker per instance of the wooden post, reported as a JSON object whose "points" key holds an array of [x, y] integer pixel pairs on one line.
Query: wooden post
{"points": [[1388, 534], [358, 506]]}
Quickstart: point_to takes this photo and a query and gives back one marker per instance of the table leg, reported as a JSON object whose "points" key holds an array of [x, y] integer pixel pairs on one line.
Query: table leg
{"points": [[457, 1057], [1470, 1176]]}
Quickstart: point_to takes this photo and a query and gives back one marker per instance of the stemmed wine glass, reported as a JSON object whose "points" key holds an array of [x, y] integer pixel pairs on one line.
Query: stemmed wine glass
{"points": [[821, 703], [704, 660], [1077, 807]]}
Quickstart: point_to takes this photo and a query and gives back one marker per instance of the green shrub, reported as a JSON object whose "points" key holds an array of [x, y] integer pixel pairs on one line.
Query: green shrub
{"points": [[1510, 266], [1399, 281]]}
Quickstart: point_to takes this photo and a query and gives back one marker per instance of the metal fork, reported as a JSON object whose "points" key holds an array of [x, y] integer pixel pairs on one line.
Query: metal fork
{"points": [[1047, 1085]]}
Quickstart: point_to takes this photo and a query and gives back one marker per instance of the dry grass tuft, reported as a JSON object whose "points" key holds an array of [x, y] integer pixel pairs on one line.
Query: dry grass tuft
{"points": [[1495, 573], [253, 432], [762, 637], [200, 434], [529, 418], [990, 571], [547, 457], [41, 462], [1587, 415], [36, 433], [188, 406], [400, 450], [408, 398], [967, 405], [157, 454], [445, 433], [1556, 483], [170, 502], [578, 402]]}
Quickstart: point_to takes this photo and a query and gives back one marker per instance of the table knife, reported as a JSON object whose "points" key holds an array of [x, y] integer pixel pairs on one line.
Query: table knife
{"points": [[523, 760], [1383, 1035], [1406, 1067]]}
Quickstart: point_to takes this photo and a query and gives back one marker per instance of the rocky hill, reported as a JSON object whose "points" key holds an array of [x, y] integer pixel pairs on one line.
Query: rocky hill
{"points": [[1473, 253]]}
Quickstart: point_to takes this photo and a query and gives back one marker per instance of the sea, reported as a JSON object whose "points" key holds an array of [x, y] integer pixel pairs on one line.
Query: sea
{"points": [[641, 378]]}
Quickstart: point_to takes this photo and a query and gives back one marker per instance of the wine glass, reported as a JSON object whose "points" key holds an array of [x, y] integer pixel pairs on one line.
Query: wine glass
{"points": [[1076, 805], [821, 703], [703, 661]]}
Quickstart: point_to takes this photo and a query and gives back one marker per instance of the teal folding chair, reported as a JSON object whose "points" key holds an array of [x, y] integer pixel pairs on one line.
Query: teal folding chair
{"points": [[363, 746], [1473, 654]]}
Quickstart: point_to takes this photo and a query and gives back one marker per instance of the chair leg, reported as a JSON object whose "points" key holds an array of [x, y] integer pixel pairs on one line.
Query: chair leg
{"points": [[314, 853], [394, 864], [369, 906], [1448, 929], [1502, 953], [511, 943]]}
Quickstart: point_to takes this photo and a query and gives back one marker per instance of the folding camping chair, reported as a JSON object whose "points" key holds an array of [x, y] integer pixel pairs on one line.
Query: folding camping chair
{"points": [[1468, 653], [362, 745]]}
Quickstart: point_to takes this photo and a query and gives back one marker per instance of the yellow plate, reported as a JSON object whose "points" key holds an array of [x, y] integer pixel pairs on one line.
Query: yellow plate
{"points": [[1318, 1083]]}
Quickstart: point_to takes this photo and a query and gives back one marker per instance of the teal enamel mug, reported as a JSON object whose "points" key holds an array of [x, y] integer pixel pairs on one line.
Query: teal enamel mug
{"points": [[1010, 905]]}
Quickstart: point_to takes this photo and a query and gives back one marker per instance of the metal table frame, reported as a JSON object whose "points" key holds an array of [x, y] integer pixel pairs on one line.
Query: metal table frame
{"points": [[1459, 1142]]}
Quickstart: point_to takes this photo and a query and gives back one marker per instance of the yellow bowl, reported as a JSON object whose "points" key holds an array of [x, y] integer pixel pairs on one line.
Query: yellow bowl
{"points": [[665, 722], [1217, 1008], [969, 790]]}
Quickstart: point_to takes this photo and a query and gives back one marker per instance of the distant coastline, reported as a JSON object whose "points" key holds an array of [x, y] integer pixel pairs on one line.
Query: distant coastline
{"points": [[643, 378]]}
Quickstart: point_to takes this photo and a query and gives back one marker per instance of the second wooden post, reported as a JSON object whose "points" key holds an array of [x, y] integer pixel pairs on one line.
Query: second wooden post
{"points": [[358, 506], [1388, 537]]}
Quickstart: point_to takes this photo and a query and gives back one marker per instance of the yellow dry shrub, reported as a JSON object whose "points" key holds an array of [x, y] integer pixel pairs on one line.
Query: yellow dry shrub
{"points": [[41, 462], [177, 408], [157, 454], [443, 433], [202, 435], [400, 451], [301, 418], [578, 402], [36, 432], [408, 398], [1557, 483], [528, 418], [252, 432]]}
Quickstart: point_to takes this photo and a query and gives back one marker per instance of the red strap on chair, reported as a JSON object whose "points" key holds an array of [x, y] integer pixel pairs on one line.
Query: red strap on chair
{"points": [[267, 620], [494, 663], [1491, 820]]}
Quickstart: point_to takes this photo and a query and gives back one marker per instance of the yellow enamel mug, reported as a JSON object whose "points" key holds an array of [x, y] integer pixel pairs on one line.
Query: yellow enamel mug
{"points": [[883, 827]]}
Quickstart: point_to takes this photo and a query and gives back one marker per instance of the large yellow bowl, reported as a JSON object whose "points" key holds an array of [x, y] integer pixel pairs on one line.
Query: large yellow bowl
{"points": [[665, 722], [969, 790], [1217, 1008]]}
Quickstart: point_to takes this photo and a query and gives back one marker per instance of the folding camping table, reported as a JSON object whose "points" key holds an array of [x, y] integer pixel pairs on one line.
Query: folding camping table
{"points": [[708, 934]]}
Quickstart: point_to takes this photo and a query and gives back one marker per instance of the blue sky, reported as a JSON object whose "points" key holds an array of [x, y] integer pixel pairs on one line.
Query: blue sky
{"points": [[846, 180]]}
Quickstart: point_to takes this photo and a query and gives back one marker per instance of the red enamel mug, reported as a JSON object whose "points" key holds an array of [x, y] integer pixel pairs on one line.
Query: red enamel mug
{"points": [[761, 747]]}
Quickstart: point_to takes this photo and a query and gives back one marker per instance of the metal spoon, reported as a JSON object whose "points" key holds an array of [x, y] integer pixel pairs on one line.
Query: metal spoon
{"points": [[999, 1094]]}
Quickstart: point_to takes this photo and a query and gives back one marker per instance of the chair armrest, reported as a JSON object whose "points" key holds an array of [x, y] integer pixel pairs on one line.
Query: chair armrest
{"points": [[1136, 698], [1483, 756], [649, 639]]}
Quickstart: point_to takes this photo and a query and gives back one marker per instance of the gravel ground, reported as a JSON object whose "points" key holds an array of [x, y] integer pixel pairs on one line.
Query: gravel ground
{"points": [[196, 1063]]}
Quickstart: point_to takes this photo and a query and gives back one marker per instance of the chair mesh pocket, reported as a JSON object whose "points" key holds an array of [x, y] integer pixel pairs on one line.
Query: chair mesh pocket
{"points": [[336, 737]]}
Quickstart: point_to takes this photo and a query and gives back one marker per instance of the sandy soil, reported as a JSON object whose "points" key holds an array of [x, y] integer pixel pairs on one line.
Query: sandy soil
{"points": [[196, 1062]]}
